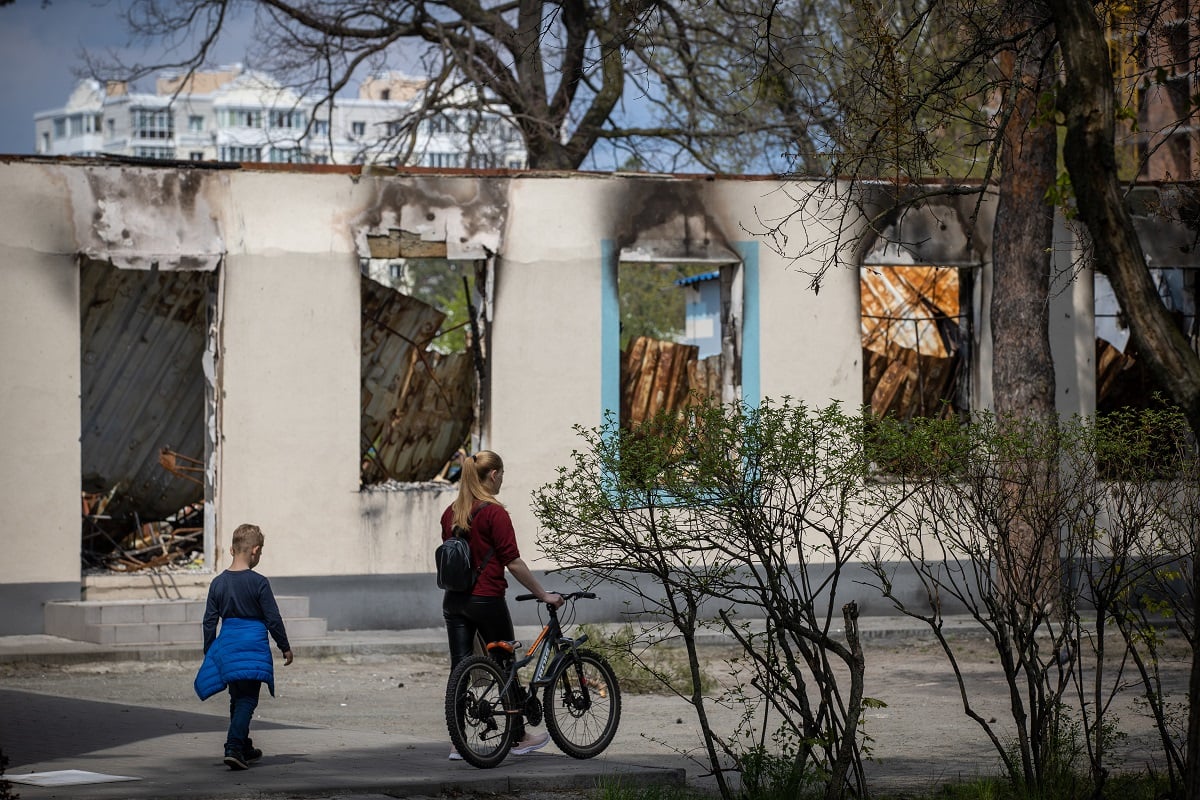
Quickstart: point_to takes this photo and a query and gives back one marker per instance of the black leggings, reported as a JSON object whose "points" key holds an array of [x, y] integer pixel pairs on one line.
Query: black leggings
{"points": [[467, 615]]}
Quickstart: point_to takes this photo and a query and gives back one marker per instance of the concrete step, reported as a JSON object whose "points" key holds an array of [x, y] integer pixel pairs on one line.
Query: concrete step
{"points": [[157, 621]]}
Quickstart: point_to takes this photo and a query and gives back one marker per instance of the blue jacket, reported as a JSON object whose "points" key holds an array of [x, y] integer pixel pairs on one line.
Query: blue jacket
{"points": [[241, 652]]}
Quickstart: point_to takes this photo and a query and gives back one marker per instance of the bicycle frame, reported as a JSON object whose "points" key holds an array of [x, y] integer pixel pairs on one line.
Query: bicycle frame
{"points": [[549, 650], [572, 688]]}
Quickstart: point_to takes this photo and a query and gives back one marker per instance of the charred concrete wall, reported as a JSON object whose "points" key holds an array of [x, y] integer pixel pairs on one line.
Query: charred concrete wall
{"points": [[283, 421], [39, 409]]}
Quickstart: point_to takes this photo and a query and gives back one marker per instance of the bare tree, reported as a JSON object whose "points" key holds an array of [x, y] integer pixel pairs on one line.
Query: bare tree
{"points": [[1087, 102], [728, 85], [740, 520], [1037, 69], [570, 76], [748, 87]]}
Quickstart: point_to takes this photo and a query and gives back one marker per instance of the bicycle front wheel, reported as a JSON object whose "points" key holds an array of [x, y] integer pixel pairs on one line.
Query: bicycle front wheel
{"points": [[480, 726], [583, 705]]}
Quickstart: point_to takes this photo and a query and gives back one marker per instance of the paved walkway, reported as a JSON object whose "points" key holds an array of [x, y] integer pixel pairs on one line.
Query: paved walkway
{"points": [[170, 751], [171, 754]]}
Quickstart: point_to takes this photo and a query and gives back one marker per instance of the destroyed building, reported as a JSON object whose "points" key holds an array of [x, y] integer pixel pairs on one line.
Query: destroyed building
{"points": [[189, 347]]}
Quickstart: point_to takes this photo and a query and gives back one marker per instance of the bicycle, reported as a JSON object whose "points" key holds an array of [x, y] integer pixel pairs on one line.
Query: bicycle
{"points": [[581, 700]]}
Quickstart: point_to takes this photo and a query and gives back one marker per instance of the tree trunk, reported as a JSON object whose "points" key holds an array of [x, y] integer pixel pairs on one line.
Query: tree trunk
{"points": [[1022, 367], [1087, 103]]}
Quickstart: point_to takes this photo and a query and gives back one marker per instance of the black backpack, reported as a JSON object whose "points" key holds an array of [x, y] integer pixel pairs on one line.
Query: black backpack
{"points": [[453, 560]]}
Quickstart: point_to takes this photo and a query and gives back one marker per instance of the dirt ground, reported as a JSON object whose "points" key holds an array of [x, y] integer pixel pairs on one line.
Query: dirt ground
{"points": [[919, 738]]}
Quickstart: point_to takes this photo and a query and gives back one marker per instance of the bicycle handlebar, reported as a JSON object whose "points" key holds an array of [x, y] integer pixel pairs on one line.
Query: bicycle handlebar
{"points": [[565, 595]]}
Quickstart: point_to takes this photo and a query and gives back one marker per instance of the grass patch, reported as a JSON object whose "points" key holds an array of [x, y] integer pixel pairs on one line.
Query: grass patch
{"points": [[614, 789], [1118, 787], [644, 669]]}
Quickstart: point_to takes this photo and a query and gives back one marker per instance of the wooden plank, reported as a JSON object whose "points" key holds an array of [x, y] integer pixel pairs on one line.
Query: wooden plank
{"points": [[659, 376], [891, 385], [660, 395], [404, 244], [1110, 364], [643, 384], [417, 405], [432, 418]]}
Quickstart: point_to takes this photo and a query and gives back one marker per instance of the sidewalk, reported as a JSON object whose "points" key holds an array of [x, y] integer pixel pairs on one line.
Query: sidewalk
{"points": [[170, 751], [39, 649]]}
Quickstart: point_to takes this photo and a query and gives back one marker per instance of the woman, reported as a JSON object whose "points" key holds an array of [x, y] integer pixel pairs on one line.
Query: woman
{"points": [[493, 541]]}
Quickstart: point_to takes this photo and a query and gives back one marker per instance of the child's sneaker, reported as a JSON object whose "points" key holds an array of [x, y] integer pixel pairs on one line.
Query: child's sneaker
{"points": [[250, 752], [533, 741], [454, 754], [235, 760]]}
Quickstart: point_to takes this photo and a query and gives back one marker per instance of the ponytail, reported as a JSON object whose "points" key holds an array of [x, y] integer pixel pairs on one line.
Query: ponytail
{"points": [[471, 489]]}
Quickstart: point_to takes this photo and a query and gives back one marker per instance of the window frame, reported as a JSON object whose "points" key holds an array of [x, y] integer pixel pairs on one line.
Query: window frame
{"points": [[610, 326]]}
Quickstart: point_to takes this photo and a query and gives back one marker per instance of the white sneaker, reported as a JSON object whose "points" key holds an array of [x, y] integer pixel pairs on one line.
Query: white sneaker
{"points": [[531, 742], [454, 754]]}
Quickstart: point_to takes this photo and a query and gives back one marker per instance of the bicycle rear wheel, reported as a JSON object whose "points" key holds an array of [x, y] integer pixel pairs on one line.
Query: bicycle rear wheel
{"points": [[480, 727], [583, 705]]}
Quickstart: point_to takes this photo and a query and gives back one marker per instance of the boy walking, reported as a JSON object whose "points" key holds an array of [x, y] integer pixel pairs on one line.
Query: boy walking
{"points": [[240, 658]]}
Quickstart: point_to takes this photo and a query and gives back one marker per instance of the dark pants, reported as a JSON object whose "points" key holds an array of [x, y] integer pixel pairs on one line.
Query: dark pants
{"points": [[468, 616], [243, 699]]}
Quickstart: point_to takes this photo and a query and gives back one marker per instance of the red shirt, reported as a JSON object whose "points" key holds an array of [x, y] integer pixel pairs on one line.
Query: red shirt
{"points": [[491, 527]]}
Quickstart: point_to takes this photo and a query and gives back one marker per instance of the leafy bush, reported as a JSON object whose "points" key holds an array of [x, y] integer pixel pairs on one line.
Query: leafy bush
{"points": [[643, 668], [6, 792], [614, 789], [711, 519]]}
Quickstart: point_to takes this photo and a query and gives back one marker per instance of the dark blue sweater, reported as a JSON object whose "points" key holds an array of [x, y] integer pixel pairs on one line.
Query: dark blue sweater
{"points": [[243, 594], [245, 606]]}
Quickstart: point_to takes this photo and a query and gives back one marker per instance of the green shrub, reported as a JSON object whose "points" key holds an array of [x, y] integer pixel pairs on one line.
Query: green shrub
{"points": [[644, 668], [614, 789], [6, 792], [776, 776]]}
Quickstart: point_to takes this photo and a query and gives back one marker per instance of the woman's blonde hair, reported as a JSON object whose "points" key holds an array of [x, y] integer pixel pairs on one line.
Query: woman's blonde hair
{"points": [[471, 490]]}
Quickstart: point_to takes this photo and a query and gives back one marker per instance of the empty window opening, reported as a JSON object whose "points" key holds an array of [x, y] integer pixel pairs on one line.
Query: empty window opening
{"points": [[144, 339], [680, 339], [425, 323], [915, 333]]}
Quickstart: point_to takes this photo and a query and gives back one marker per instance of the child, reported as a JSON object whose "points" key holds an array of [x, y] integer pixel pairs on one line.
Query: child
{"points": [[240, 658]]}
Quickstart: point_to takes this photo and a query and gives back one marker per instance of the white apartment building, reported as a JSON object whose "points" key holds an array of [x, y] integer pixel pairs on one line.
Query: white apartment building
{"points": [[235, 114]]}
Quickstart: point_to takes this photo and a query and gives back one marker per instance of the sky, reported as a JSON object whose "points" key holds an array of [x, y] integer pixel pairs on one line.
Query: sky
{"points": [[40, 42], [40, 58]]}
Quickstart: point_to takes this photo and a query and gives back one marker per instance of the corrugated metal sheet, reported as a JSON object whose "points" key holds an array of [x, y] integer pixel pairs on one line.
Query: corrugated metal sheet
{"points": [[417, 405], [704, 276], [658, 376], [143, 336], [902, 305], [910, 358]]}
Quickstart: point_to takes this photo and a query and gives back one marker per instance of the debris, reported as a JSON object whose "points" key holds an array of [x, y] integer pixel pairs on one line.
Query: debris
{"points": [[911, 317], [658, 376], [125, 545], [181, 466], [417, 404]]}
